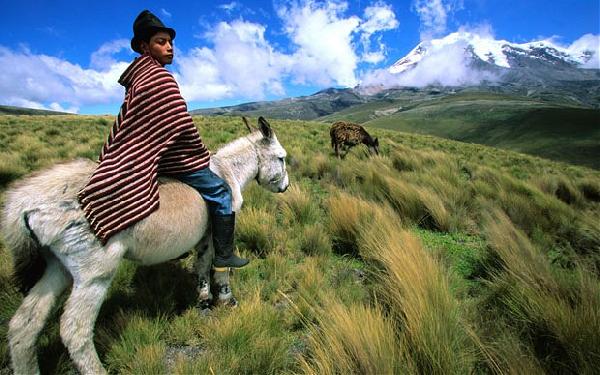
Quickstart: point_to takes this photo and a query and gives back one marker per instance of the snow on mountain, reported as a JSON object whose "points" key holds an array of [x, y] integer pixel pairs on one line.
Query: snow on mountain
{"points": [[500, 53]]}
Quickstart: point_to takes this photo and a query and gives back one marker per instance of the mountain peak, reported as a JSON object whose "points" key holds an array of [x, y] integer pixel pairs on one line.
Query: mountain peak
{"points": [[499, 53]]}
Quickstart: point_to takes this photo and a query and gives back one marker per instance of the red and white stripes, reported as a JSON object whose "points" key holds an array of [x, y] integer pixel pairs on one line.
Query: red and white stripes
{"points": [[152, 134]]}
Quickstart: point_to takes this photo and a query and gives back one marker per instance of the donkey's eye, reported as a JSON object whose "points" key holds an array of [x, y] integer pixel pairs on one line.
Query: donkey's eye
{"points": [[282, 160]]}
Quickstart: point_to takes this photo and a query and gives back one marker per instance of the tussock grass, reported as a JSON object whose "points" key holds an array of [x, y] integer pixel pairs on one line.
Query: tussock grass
{"points": [[559, 187], [310, 288], [348, 216], [315, 166], [590, 188], [254, 231], [297, 206], [558, 312], [251, 341], [11, 167], [511, 294], [352, 340], [314, 240], [415, 288], [139, 349]]}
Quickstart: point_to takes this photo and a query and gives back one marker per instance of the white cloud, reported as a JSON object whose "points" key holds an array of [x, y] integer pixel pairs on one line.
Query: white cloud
{"points": [[588, 45], [445, 65], [229, 7], [325, 54], [378, 18], [59, 108], [434, 16], [165, 13], [40, 79], [103, 58], [242, 63], [324, 46]]}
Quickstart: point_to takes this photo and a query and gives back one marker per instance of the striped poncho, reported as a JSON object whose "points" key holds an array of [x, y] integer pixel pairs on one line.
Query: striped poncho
{"points": [[153, 134]]}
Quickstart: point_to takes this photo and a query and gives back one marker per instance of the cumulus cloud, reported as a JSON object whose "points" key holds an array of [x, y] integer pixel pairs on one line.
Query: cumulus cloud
{"points": [[588, 46], [241, 63], [236, 60], [445, 65], [434, 16], [42, 81], [325, 54], [378, 18], [103, 58], [230, 7]]}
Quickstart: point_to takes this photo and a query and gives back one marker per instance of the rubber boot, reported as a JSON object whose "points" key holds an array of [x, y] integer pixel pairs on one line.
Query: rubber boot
{"points": [[222, 231]]}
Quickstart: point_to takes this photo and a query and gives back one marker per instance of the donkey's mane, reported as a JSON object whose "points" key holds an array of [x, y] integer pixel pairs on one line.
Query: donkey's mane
{"points": [[238, 144]]}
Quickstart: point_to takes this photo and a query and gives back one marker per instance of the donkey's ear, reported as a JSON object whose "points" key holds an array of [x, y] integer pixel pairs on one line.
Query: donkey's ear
{"points": [[265, 128], [246, 123]]}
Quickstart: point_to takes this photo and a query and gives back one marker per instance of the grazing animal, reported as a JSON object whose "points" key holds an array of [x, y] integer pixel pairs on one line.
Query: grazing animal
{"points": [[346, 134], [42, 219]]}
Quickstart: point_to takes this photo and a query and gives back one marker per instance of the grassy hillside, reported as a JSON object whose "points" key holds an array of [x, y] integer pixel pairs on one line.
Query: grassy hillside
{"points": [[550, 130], [10, 110], [435, 257]]}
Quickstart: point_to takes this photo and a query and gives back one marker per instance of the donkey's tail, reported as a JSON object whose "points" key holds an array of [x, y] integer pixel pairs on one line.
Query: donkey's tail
{"points": [[28, 262]]}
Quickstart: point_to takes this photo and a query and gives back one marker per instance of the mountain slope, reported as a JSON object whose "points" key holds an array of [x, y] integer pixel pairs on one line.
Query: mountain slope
{"points": [[310, 107], [10, 110], [559, 132], [500, 53], [537, 98]]}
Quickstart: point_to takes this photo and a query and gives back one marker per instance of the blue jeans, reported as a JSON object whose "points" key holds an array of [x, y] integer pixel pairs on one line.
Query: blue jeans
{"points": [[215, 191]]}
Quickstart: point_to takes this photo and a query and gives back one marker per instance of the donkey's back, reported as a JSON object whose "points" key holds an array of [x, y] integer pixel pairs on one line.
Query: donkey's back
{"points": [[41, 207]]}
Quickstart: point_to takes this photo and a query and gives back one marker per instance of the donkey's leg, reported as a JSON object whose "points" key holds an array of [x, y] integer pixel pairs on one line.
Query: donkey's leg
{"points": [[91, 282], [204, 258], [222, 288], [27, 323], [209, 286]]}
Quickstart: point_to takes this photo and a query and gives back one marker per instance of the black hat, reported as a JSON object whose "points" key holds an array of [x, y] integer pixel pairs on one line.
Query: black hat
{"points": [[145, 25]]}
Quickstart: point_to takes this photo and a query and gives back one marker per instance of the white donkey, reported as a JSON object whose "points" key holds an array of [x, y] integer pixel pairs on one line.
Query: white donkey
{"points": [[42, 219]]}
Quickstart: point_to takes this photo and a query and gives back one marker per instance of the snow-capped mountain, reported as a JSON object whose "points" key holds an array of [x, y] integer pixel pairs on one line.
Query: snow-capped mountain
{"points": [[497, 53]]}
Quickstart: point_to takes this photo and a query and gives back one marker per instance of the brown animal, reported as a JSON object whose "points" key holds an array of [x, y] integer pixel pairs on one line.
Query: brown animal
{"points": [[347, 135]]}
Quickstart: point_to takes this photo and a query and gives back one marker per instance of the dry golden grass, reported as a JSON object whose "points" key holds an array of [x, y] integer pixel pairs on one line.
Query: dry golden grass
{"points": [[297, 206], [352, 340], [348, 215], [252, 340], [561, 309], [560, 187], [530, 315], [416, 290], [254, 230]]}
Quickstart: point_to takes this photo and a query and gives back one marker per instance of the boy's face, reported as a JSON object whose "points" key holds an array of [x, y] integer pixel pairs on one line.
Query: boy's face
{"points": [[160, 47]]}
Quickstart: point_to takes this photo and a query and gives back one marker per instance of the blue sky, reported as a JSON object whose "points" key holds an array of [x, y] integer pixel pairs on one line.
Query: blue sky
{"points": [[68, 55]]}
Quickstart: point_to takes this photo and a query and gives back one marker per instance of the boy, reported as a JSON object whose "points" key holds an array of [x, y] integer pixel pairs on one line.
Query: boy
{"points": [[154, 135]]}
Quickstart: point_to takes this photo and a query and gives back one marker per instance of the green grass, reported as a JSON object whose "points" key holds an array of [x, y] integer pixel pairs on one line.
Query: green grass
{"points": [[435, 257], [558, 131]]}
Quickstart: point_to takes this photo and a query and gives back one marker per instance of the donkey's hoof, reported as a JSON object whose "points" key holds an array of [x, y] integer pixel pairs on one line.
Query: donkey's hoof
{"points": [[204, 304], [204, 312], [230, 302]]}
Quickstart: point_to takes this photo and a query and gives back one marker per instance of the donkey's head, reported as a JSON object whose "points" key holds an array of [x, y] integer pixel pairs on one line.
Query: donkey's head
{"points": [[272, 173]]}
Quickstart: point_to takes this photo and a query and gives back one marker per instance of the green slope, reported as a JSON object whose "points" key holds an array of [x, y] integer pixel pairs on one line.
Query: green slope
{"points": [[10, 110], [552, 130]]}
